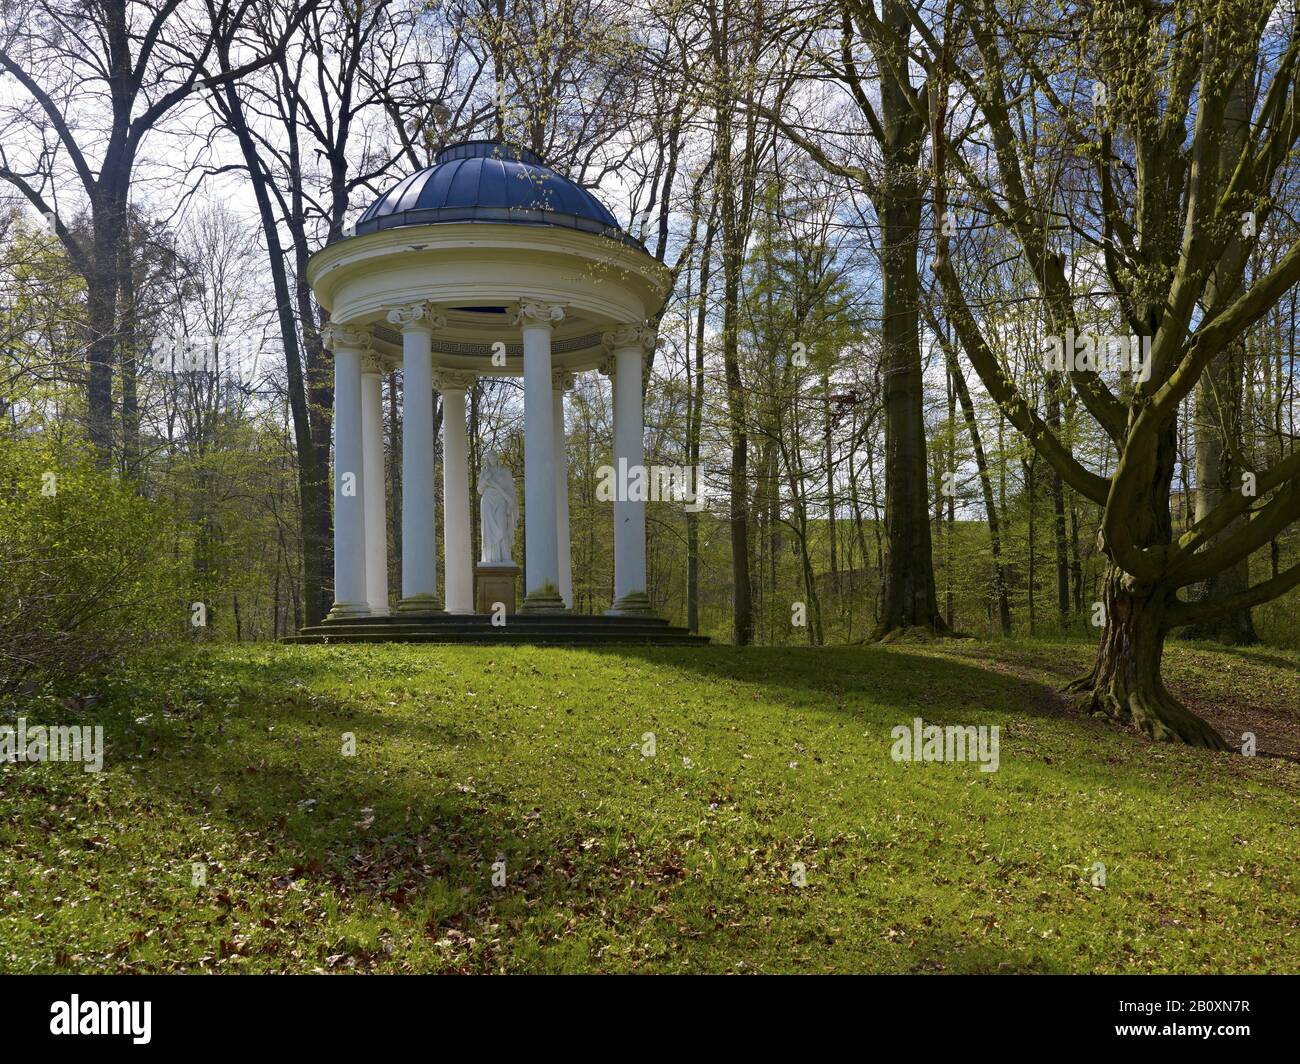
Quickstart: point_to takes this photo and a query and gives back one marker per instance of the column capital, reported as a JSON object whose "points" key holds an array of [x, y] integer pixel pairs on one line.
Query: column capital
{"points": [[453, 380], [531, 312], [625, 336], [335, 334], [562, 380], [370, 363], [417, 316]]}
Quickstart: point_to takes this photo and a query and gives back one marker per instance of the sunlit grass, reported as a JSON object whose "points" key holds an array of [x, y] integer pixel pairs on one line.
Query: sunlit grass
{"points": [[233, 759]]}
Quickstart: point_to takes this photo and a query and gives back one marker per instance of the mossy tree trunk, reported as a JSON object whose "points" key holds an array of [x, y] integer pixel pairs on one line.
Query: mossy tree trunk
{"points": [[1126, 683]]}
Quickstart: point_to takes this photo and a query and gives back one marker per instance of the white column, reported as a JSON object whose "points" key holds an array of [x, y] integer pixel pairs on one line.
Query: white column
{"points": [[562, 382], [348, 343], [541, 570], [372, 450], [457, 544], [419, 545], [628, 345]]}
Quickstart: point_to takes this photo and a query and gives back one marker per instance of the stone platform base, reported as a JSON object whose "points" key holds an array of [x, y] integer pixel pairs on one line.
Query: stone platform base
{"points": [[571, 629], [495, 584]]}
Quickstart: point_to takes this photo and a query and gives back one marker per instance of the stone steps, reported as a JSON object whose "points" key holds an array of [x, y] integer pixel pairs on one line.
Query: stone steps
{"points": [[519, 629], [603, 620]]}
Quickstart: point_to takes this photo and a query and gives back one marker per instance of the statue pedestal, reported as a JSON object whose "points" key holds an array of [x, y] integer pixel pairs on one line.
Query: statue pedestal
{"points": [[495, 583]]}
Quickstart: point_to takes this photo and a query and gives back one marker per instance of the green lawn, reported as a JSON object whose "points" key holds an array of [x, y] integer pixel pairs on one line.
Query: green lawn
{"points": [[615, 861]]}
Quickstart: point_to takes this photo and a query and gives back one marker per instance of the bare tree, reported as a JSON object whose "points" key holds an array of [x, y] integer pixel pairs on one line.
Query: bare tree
{"points": [[95, 79], [311, 131]]}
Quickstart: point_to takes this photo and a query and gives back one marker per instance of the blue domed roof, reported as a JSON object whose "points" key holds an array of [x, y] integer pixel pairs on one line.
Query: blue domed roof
{"points": [[487, 181]]}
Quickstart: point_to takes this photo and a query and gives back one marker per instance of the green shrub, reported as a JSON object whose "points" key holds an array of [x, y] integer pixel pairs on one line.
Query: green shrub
{"points": [[87, 566]]}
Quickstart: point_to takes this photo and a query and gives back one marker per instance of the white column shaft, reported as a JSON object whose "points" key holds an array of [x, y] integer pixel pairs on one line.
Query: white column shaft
{"points": [[541, 568], [419, 554], [372, 448], [349, 487], [629, 453], [456, 541], [564, 547]]}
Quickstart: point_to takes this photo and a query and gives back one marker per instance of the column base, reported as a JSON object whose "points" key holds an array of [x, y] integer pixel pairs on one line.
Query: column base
{"points": [[419, 604], [342, 611], [543, 600], [633, 604]]}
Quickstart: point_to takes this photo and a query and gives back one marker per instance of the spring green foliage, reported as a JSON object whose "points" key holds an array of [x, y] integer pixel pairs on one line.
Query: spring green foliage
{"points": [[86, 569]]}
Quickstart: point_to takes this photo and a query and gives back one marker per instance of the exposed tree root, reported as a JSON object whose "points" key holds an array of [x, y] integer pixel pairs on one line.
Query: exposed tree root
{"points": [[912, 633], [1153, 711]]}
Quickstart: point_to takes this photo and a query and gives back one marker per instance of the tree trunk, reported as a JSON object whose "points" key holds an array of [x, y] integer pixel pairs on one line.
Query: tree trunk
{"points": [[909, 594], [737, 417], [1125, 683], [986, 484], [909, 597], [771, 510], [876, 524], [948, 553], [1031, 574], [1056, 492], [1218, 418], [1076, 558], [828, 443], [694, 421], [127, 360], [314, 487], [1217, 413], [1062, 556], [815, 632], [101, 307]]}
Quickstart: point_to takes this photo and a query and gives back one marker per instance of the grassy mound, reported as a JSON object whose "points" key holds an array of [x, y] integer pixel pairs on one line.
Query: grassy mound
{"points": [[646, 810]]}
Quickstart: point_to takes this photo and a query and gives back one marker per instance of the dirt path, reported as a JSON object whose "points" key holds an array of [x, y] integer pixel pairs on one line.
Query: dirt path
{"points": [[1238, 691]]}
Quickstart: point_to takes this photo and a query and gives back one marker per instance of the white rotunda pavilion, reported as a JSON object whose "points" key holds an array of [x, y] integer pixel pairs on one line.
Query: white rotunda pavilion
{"points": [[487, 262]]}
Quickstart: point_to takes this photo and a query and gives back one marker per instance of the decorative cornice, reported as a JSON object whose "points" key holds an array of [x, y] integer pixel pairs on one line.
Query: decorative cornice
{"points": [[534, 313], [453, 380], [354, 337], [417, 316], [562, 380], [626, 336]]}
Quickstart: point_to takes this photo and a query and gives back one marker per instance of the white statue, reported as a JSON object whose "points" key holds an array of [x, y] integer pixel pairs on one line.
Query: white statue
{"points": [[499, 510]]}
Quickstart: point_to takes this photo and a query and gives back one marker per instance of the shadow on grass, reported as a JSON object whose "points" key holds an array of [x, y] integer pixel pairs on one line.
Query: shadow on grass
{"points": [[946, 690], [303, 802], [367, 825], [1251, 655], [941, 952]]}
